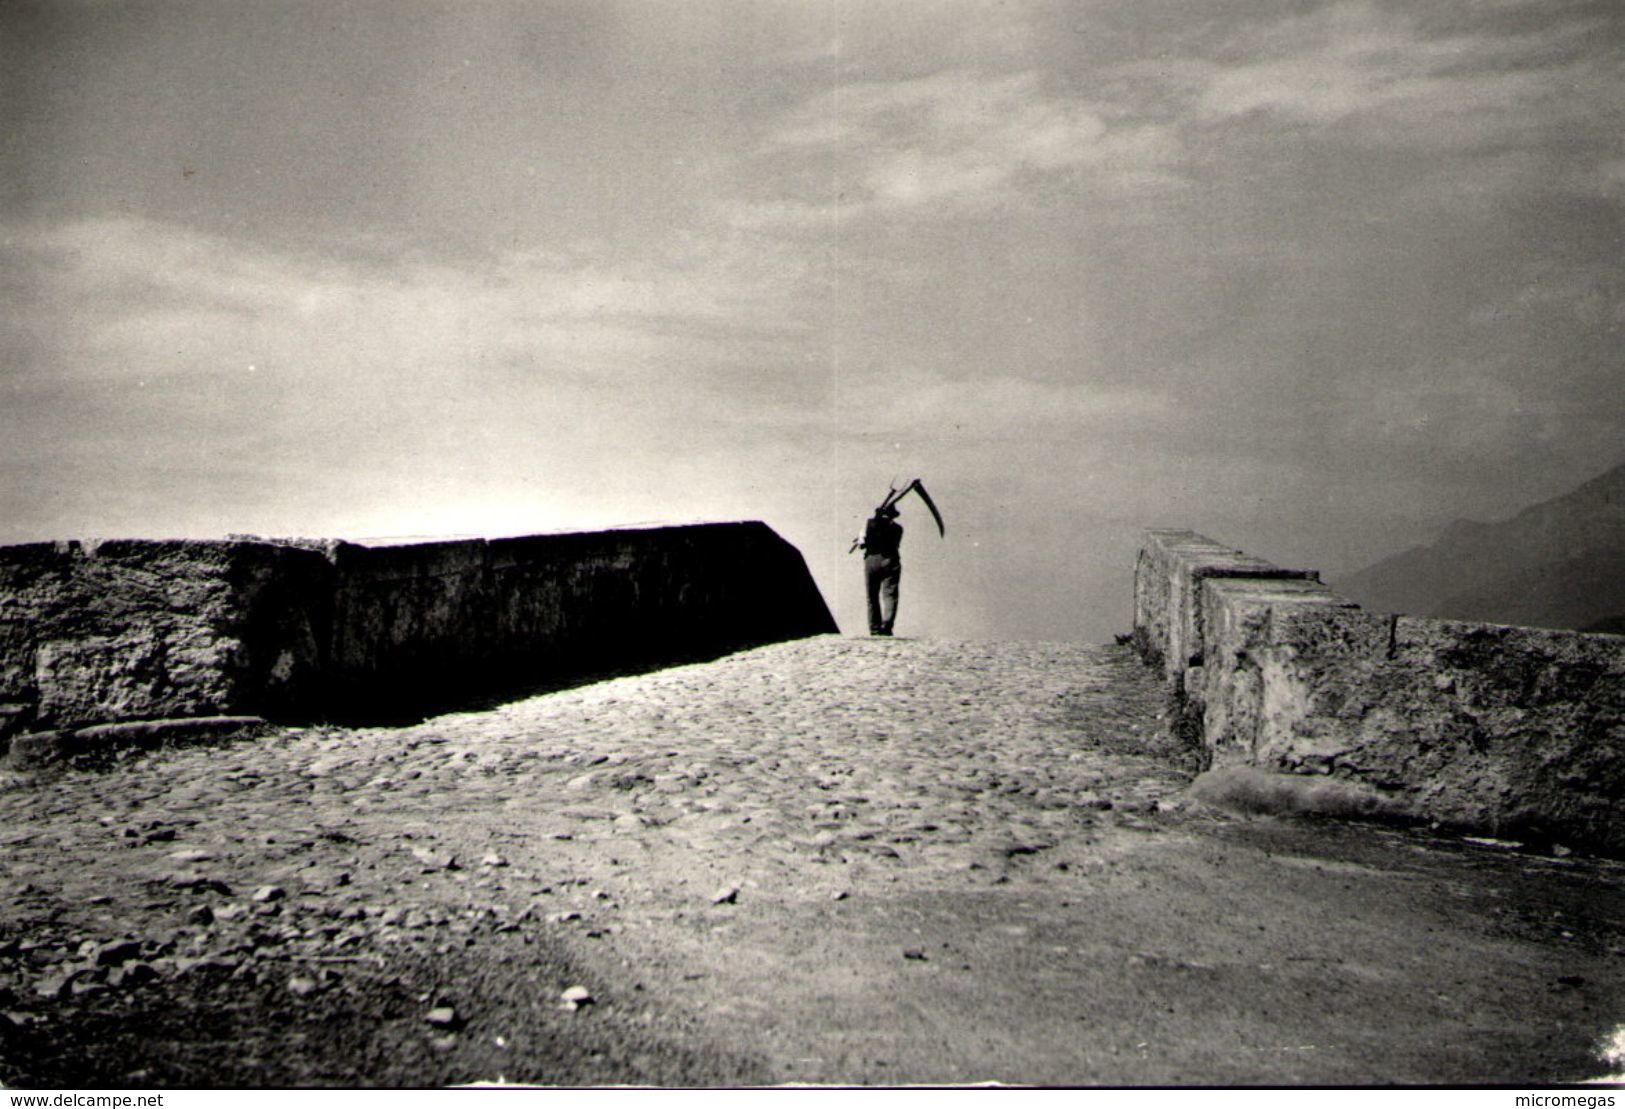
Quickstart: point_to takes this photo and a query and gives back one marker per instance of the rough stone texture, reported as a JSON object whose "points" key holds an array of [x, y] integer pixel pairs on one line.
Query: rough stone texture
{"points": [[124, 630], [1168, 577], [1516, 731], [131, 629], [37, 749], [451, 615], [1152, 589], [1238, 614], [1511, 731]]}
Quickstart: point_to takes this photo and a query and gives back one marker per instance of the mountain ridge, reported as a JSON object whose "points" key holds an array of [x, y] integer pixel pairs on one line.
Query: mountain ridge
{"points": [[1556, 564]]}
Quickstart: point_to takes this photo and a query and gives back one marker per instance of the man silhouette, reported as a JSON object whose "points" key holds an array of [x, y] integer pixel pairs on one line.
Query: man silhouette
{"points": [[882, 567]]}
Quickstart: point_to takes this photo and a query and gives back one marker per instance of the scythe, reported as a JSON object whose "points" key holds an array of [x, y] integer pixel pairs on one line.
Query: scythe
{"points": [[916, 487], [896, 495]]}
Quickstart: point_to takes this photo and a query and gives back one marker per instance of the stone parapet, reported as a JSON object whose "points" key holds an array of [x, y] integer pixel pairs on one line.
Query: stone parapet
{"points": [[1503, 730], [464, 613], [1168, 577], [92, 632], [97, 632], [1238, 617]]}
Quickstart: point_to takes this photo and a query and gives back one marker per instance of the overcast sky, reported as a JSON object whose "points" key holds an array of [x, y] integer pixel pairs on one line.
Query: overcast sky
{"points": [[1312, 278]]}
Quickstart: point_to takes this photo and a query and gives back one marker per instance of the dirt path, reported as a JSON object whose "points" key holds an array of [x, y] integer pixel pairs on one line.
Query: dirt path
{"points": [[835, 860]]}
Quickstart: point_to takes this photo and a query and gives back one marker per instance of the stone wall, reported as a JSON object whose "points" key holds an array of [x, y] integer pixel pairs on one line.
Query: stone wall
{"points": [[1503, 730], [98, 632], [92, 632], [1168, 577], [461, 614]]}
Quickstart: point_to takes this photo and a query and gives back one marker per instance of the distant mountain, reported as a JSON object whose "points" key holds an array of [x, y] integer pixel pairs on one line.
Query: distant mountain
{"points": [[1559, 564]]}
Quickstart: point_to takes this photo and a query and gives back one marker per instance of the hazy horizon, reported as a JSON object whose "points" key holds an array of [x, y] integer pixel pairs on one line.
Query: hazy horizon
{"points": [[1313, 279]]}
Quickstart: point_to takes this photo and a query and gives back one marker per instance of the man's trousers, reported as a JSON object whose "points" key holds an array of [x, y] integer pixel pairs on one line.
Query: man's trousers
{"points": [[881, 575]]}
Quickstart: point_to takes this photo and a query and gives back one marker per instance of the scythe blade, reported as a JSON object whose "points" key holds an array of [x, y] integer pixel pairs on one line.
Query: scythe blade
{"points": [[917, 487]]}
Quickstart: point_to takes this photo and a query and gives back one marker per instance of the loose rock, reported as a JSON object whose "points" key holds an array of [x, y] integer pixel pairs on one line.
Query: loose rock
{"points": [[435, 860], [53, 986], [131, 974], [112, 954], [192, 855]]}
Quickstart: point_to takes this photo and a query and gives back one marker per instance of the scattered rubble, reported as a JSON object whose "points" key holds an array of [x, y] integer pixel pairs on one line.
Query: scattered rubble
{"points": [[435, 860]]}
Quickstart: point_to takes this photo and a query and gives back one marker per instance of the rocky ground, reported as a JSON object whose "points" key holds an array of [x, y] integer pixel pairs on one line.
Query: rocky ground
{"points": [[834, 860]]}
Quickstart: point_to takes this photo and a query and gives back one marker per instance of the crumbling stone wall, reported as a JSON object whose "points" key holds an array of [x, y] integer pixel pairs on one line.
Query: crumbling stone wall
{"points": [[1168, 577], [1511, 731], [131, 629], [1169, 620], [450, 616], [97, 632]]}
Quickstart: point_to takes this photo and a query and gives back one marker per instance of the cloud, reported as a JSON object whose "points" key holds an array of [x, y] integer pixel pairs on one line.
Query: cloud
{"points": [[1606, 180], [128, 296], [162, 380], [915, 403], [1356, 61], [1578, 297], [975, 139], [152, 371], [953, 141]]}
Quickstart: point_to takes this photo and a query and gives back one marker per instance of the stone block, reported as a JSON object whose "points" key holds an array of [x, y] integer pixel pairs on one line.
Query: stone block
{"points": [[170, 670], [121, 629], [1152, 577], [38, 749], [300, 629], [1240, 615], [1169, 574], [1510, 731]]}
